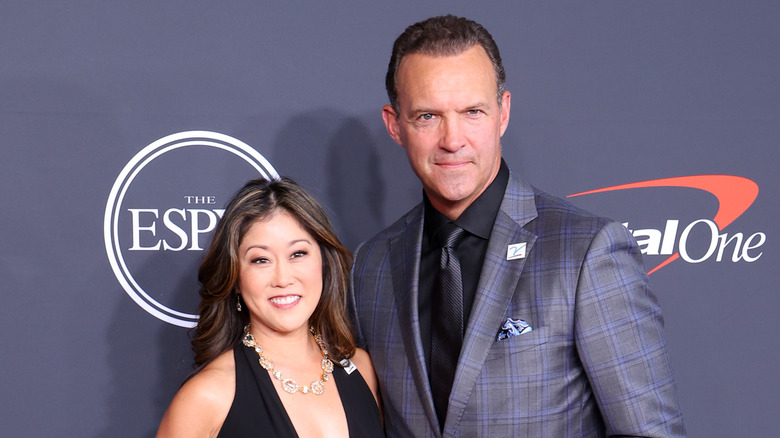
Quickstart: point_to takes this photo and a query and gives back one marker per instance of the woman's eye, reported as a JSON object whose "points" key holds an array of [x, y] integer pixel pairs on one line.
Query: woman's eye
{"points": [[260, 260], [298, 254]]}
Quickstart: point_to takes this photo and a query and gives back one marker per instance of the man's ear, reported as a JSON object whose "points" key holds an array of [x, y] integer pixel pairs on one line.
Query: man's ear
{"points": [[506, 103], [391, 123]]}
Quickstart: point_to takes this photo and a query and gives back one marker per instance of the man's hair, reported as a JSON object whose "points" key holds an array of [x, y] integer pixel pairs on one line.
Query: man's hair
{"points": [[446, 35], [220, 326]]}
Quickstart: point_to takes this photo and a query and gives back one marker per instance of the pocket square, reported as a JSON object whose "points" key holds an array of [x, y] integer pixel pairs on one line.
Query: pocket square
{"points": [[513, 327]]}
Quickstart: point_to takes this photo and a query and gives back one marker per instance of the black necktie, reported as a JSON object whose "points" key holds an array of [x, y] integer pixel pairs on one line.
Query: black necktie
{"points": [[447, 330]]}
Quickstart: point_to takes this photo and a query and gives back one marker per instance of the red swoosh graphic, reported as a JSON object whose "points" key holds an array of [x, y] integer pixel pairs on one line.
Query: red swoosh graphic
{"points": [[735, 195]]}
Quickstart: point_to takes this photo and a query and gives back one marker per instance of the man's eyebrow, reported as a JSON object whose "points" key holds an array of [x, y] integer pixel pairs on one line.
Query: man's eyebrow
{"points": [[422, 110], [477, 105]]}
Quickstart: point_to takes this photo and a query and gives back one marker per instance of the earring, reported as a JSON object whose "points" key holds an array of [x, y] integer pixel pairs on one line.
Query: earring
{"points": [[238, 303]]}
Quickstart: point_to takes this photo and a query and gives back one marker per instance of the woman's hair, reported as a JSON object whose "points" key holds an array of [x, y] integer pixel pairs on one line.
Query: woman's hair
{"points": [[221, 326]]}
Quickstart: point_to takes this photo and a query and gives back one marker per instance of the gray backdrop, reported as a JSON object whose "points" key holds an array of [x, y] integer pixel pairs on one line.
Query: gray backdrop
{"points": [[604, 93]]}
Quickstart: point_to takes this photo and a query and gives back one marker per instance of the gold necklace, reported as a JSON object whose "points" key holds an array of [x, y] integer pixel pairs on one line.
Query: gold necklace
{"points": [[290, 385]]}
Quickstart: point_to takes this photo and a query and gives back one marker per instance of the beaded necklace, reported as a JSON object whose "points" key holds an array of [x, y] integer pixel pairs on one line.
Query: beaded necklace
{"points": [[290, 385]]}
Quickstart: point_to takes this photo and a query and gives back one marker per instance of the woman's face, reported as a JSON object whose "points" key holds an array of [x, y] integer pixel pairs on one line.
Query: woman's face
{"points": [[280, 278]]}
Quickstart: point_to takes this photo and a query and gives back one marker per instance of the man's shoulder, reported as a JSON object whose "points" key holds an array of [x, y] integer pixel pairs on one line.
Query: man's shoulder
{"points": [[381, 240], [398, 227], [548, 208], [558, 218], [551, 205]]}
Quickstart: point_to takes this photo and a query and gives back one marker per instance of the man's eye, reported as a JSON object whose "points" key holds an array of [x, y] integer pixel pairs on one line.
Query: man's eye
{"points": [[427, 116]]}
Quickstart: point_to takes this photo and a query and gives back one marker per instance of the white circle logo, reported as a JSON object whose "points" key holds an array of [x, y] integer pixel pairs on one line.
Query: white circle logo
{"points": [[161, 210]]}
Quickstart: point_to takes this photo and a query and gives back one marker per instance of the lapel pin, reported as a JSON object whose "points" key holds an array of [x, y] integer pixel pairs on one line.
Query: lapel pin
{"points": [[515, 251], [348, 365]]}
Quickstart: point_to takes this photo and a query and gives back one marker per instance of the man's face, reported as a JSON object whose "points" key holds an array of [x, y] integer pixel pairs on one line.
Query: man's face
{"points": [[450, 124]]}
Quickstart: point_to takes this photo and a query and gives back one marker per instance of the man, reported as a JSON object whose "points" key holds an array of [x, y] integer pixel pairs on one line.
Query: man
{"points": [[537, 320]]}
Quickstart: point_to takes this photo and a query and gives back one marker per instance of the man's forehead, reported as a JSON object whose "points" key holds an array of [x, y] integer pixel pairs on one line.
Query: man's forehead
{"points": [[469, 73], [442, 55]]}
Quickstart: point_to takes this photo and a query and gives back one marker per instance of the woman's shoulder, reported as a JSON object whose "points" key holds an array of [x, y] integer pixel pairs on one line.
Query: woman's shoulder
{"points": [[362, 361], [216, 380], [203, 402]]}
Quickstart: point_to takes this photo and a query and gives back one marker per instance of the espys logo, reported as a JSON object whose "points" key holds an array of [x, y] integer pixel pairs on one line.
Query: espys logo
{"points": [[161, 210], [735, 195]]}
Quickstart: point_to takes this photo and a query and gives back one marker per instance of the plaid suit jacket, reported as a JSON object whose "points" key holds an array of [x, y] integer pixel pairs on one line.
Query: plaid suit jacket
{"points": [[594, 365]]}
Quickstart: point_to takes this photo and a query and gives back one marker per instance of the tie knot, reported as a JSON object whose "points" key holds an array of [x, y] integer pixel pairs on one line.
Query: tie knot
{"points": [[450, 234]]}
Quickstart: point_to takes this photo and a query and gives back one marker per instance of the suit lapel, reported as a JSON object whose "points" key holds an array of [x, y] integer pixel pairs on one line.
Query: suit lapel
{"points": [[405, 268], [497, 283]]}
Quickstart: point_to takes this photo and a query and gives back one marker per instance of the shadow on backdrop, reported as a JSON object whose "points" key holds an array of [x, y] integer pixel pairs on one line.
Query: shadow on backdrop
{"points": [[334, 157], [153, 358]]}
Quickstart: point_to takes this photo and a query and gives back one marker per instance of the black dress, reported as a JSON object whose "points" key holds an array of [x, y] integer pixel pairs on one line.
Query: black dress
{"points": [[257, 410]]}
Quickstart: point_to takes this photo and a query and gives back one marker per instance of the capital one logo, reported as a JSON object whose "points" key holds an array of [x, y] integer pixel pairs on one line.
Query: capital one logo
{"points": [[734, 194], [162, 210]]}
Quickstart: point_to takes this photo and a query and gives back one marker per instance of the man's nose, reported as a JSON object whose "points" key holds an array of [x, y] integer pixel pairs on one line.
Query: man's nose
{"points": [[452, 135]]}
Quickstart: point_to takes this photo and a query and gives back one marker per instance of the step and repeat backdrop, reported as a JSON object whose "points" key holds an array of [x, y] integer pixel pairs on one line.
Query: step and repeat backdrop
{"points": [[125, 127]]}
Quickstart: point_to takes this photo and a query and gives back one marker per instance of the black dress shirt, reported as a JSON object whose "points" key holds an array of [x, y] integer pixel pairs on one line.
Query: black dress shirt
{"points": [[478, 221]]}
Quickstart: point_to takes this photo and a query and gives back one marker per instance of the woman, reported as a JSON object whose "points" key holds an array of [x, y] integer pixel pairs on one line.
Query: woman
{"points": [[273, 345]]}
